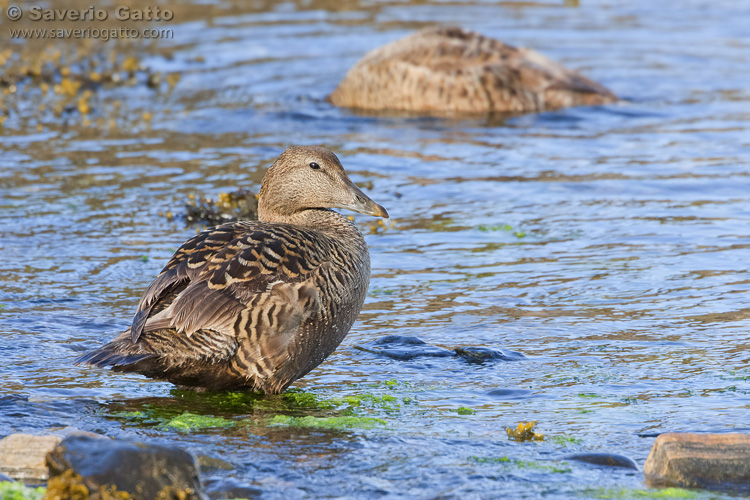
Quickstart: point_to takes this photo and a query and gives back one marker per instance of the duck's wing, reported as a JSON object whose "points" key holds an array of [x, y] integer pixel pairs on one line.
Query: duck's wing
{"points": [[250, 281], [185, 265]]}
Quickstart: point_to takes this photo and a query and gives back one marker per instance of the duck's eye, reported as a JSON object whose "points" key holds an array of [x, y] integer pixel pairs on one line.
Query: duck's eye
{"points": [[314, 166]]}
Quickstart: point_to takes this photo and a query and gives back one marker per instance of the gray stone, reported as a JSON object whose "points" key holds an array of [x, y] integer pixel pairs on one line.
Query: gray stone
{"points": [[700, 461], [22, 456], [144, 471]]}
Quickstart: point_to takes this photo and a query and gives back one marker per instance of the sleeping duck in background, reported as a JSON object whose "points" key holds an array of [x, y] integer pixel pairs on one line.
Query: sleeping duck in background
{"points": [[257, 304], [450, 70]]}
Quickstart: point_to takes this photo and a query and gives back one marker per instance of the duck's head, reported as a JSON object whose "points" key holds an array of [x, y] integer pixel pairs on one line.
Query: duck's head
{"points": [[310, 177]]}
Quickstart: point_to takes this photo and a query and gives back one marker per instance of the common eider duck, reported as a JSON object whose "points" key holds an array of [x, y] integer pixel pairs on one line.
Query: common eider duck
{"points": [[450, 70], [257, 304]]}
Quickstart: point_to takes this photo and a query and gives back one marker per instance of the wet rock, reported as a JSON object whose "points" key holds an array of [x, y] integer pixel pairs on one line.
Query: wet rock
{"points": [[208, 463], [22, 456], [485, 354], [228, 207], [404, 348], [103, 466], [70, 430], [221, 489], [606, 459], [700, 461]]}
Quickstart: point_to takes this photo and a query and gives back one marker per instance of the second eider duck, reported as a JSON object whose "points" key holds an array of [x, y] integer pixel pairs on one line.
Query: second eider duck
{"points": [[451, 70], [257, 304]]}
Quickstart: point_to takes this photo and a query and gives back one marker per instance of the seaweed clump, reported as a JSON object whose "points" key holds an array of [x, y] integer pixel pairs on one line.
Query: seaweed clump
{"points": [[55, 82], [70, 486], [228, 207], [524, 431]]}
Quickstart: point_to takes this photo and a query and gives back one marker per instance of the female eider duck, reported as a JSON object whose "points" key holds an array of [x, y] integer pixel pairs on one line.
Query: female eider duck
{"points": [[449, 70], [257, 304]]}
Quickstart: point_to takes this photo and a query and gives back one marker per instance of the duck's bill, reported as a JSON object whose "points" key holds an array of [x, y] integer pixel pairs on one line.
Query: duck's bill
{"points": [[362, 204]]}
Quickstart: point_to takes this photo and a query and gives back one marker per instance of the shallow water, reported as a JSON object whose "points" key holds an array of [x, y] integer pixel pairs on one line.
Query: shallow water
{"points": [[608, 245]]}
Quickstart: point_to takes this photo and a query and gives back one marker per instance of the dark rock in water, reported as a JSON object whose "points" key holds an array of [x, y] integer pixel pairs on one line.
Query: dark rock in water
{"points": [[606, 459], [716, 461], [229, 207], [484, 354], [509, 394], [227, 488], [404, 348], [103, 465]]}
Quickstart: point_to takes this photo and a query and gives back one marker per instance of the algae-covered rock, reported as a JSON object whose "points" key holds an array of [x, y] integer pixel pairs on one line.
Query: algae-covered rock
{"points": [[98, 469], [22, 456]]}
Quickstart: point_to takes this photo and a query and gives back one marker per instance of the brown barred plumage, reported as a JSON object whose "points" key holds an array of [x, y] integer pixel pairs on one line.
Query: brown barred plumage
{"points": [[450, 70], [256, 304]]}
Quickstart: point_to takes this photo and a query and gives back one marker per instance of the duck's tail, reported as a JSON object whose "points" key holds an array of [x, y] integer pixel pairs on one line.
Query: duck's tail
{"points": [[121, 353]]}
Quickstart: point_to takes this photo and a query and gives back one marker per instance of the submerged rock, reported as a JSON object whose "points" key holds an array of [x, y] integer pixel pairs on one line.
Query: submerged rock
{"points": [[688, 460], [231, 488], [22, 456], [407, 347], [606, 459], [404, 348], [228, 207], [506, 394], [104, 467], [484, 354], [447, 70]]}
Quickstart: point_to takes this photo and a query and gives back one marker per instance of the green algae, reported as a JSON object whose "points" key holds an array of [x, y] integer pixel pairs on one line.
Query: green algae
{"points": [[485, 228], [19, 491], [190, 421], [465, 410], [523, 464], [344, 422], [489, 460], [564, 440], [391, 383], [188, 411], [531, 464], [628, 494]]}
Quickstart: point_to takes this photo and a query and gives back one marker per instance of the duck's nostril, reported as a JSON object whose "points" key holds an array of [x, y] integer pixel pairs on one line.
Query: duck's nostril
{"points": [[360, 199]]}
